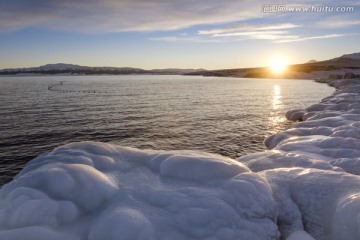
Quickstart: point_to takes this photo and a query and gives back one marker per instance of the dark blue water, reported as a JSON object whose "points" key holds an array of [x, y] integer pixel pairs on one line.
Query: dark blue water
{"points": [[228, 116]]}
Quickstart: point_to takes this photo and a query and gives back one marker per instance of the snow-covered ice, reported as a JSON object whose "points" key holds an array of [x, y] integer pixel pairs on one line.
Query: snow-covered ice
{"points": [[313, 168], [305, 187], [99, 191]]}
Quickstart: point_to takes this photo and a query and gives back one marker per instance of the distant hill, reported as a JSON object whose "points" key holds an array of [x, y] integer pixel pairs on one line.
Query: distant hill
{"points": [[352, 56], [63, 68], [58, 66], [175, 71], [347, 65], [349, 61], [346, 58]]}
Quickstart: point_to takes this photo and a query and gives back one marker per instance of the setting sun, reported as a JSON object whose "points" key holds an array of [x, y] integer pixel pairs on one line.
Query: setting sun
{"points": [[278, 66]]}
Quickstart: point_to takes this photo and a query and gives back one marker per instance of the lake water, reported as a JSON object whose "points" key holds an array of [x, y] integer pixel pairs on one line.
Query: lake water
{"points": [[228, 116]]}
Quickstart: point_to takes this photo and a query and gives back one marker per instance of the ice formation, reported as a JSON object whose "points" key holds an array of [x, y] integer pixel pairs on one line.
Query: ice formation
{"points": [[313, 168], [305, 187], [99, 191]]}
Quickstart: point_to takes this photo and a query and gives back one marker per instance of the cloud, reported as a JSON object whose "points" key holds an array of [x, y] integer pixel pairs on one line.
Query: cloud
{"points": [[268, 35], [299, 39], [252, 31], [276, 36], [247, 27], [161, 15], [338, 23], [123, 15], [180, 38], [277, 33]]}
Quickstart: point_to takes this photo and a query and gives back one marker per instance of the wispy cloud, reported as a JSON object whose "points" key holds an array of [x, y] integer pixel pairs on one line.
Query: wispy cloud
{"points": [[247, 27], [299, 39], [194, 39], [274, 36], [249, 34], [338, 23], [252, 31], [123, 15], [164, 15], [277, 33]]}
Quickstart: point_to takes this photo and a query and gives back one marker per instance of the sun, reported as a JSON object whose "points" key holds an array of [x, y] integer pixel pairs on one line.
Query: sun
{"points": [[278, 66]]}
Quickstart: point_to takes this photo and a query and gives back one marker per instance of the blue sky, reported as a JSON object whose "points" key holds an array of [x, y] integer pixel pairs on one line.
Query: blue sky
{"points": [[209, 34]]}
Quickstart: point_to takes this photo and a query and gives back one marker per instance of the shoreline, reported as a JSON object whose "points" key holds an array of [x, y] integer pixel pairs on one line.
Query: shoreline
{"points": [[306, 183], [316, 161], [317, 74]]}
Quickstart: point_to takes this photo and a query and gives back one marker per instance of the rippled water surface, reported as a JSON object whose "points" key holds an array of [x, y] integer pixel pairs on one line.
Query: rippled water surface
{"points": [[229, 116]]}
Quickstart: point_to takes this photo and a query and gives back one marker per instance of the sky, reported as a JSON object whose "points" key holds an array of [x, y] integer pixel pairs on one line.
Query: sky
{"points": [[149, 34]]}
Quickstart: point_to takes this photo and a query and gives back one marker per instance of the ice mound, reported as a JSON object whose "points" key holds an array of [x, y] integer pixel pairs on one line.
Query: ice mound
{"points": [[325, 203], [97, 191], [279, 159]]}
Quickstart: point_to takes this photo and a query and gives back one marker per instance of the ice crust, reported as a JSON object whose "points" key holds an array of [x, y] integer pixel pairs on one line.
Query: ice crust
{"points": [[305, 187]]}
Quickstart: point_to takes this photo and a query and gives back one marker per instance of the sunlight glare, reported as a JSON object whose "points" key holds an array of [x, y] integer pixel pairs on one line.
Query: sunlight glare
{"points": [[278, 66]]}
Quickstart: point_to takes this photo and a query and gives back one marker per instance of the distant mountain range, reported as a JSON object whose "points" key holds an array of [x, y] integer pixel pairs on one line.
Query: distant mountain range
{"points": [[62, 68], [345, 63]]}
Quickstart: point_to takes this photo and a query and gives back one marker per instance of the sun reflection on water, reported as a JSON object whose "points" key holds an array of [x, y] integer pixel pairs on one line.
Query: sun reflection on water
{"points": [[276, 101], [276, 119]]}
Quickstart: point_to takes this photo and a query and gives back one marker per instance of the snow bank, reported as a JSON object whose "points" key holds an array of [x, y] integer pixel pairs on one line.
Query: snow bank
{"points": [[305, 187]]}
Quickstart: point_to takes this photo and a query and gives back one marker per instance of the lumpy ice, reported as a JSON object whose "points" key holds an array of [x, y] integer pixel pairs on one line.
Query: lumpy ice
{"points": [[99, 191]]}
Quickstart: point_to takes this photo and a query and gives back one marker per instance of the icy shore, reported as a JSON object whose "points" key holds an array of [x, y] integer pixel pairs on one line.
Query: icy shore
{"points": [[306, 187]]}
